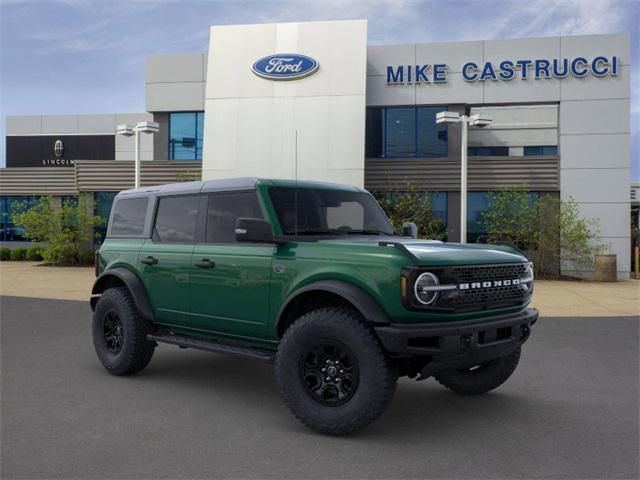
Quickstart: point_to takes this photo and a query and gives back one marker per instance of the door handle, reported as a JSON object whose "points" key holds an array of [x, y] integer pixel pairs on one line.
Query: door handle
{"points": [[205, 263], [149, 261]]}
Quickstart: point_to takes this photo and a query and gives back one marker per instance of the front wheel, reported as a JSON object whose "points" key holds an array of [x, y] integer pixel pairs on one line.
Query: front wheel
{"points": [[332, 372], [480, 378]]}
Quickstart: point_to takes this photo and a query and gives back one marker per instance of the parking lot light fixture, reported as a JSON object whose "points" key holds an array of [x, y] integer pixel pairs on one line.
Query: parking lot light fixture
{"points": [[477, 120], [128, 131]]}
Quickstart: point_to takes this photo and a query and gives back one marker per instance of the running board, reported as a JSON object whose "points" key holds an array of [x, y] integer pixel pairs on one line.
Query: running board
{"points": [[211, 346]]}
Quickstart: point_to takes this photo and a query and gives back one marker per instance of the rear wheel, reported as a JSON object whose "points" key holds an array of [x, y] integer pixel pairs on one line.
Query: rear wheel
{"points": [[120, 334], [480, 378], [332, 372]]}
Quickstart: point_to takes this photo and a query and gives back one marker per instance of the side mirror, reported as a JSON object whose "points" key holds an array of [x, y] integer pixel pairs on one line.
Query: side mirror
{"points": [[409, 229], [254, 230]]}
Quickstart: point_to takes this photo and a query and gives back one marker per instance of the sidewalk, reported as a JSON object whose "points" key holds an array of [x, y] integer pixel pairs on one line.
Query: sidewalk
{"points": [[552, 298]]}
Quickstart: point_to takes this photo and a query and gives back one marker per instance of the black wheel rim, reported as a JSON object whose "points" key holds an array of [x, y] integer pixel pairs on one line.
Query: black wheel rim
{"points": [[112, 331], [329, 373]]}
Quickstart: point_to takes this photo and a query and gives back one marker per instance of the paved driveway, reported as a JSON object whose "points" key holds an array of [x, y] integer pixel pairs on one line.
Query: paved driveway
{"points": [[570, 411]]}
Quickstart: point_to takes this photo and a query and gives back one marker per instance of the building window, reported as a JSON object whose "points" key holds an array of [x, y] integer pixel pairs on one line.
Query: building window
{"points": [[400, 132], [103, 201], [10, 232], [477, 204], [185, 135], [439, 206], [541, 151], [488, 151]]}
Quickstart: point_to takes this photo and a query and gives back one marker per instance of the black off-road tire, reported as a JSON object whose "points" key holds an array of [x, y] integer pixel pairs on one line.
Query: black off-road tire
{"points": [[481, 379], [370, 393], [135, 351]]}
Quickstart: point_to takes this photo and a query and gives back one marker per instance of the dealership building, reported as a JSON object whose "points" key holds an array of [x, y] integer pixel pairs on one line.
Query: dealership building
{"points": [[312, 100]]}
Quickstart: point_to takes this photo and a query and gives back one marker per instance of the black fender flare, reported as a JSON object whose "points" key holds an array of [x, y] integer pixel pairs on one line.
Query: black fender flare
{"points": [[356, 296], [132, 282]]}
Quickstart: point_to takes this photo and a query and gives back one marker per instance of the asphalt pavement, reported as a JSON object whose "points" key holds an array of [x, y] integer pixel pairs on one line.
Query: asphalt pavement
{"points": [[569, 411]]}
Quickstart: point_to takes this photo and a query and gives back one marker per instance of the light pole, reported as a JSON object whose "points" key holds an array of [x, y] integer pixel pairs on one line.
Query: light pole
{"points": [[128, 131], [477, 120]]}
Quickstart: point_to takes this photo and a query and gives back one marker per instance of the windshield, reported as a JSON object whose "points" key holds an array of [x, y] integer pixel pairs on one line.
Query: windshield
{"points": [[328, 212]]}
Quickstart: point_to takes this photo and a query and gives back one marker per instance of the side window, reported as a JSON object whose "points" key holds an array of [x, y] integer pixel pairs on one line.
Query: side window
{"points": [[176, 219], [224, 210], [128, 216]]}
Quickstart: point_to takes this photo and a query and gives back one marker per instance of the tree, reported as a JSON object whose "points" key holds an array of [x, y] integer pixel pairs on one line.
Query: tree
{"points": [[410, 205], [511, 217], [66, 228], [550, 229]]}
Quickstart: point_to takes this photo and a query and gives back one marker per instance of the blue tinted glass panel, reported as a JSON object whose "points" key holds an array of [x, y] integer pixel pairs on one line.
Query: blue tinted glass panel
{"points": [[541, 151], [439, 205], [10, 232], [374, 133], [199, 134], [102, 208], [432, 137], [400, 138], [185, 135], [477, 202], [532, 151], [550, 151]]}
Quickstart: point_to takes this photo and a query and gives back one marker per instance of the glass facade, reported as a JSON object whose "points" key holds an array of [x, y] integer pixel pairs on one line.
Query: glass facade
{"points": [[488, 151], [103, 201], [439, 206], [185, 135], [477, 203], [393, 132], [10, 232], [541, 151]]}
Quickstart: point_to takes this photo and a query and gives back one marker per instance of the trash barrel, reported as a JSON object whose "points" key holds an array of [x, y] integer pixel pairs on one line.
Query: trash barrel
{"points": [[606, 268]]}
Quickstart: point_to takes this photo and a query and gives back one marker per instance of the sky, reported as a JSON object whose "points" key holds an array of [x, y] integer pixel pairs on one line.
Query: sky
{"points": [[87, 56]]}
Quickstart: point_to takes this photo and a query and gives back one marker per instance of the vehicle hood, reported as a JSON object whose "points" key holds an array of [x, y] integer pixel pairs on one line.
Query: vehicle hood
{"points": [[436, 253]]}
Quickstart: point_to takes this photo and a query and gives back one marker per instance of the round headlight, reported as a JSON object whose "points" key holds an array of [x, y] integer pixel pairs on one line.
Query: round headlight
{"points": [[424, 294]]}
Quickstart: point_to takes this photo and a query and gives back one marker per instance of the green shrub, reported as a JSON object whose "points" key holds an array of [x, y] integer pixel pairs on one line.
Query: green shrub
{"points": [[86, 258], [407, 204], [67, 229], [5, 253], [34, 254], [18, 254], [550, 229]]}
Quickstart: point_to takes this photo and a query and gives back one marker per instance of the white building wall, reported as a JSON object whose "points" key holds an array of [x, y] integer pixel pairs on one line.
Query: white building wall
{"points": [[251, 122]]}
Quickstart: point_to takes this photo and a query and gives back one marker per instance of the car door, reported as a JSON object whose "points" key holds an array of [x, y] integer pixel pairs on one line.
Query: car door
{"points": [[230, 281], [165, 258]]}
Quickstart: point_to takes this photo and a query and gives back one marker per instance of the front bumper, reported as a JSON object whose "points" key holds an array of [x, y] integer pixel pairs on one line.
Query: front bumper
{"points": [[453, 345]]}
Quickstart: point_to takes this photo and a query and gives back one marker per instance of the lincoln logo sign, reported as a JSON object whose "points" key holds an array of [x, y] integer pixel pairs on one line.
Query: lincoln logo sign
{"points": [[505, 70], [285, 66], [58, 148]]}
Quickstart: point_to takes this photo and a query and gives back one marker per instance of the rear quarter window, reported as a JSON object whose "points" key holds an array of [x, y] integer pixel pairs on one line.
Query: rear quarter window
{"points": [[129, 215]]}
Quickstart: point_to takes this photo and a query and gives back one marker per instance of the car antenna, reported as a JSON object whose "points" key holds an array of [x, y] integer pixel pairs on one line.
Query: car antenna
{"points": [[295, 190]]}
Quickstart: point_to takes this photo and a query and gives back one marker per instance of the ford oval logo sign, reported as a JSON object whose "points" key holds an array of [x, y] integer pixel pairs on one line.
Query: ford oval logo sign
{"points": [[285, 66]]}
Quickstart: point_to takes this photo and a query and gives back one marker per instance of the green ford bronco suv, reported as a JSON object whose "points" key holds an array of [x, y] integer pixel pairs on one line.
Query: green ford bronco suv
{"points": [[312, 277]]}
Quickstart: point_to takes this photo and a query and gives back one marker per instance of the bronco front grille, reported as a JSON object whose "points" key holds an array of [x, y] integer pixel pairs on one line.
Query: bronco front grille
{"points": [[477, 287], [488, 272]]}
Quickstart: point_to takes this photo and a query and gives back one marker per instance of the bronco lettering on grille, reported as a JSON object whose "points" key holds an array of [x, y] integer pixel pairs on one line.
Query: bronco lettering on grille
{"points": [[488, 284]]}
